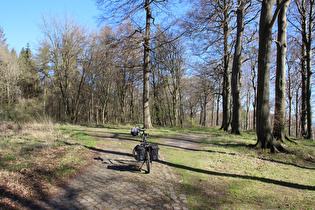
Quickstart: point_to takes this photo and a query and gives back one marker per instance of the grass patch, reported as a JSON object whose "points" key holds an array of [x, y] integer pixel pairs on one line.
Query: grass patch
{"points": [[219, 171], [35, 160], [215, 169]]}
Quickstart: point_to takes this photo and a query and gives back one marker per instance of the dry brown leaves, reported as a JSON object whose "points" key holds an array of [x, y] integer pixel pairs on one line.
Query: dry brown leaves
{"points": [[34, 174]]}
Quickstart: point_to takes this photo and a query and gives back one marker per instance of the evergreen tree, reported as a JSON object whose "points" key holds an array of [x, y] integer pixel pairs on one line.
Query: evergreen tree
{"points": [[29, 80]]}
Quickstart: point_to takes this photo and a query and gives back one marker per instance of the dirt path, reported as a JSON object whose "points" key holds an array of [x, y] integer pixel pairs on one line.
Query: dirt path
{"points": [[112, 182]]}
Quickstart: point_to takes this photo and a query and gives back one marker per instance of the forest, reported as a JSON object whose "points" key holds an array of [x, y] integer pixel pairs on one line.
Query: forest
{"points": [[236, 65]]}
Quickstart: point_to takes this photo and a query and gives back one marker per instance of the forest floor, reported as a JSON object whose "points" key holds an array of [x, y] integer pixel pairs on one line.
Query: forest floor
{"points": [[47, 166]]}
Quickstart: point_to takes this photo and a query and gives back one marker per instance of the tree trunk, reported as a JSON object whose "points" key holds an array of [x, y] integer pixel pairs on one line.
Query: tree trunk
{"points": [[201, 113], [254, 112], [247, 126], [212, 112], [45, 96], [105, 105], [279, 127], [204, 110], [303, 96], [297, 114], [255, 96], [218, 110], [226, 82], [91, 106], [175, 107], [263, 127], [181, 108], [237, 69], [226, 74], [97, 115], [303, 71], [310, 134], [290, 100], [309, 74], [146, 71], [132, 108]]}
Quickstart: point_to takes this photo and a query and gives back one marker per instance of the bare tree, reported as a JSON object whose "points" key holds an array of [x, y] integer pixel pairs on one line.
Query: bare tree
{"points": [[254, 85], [9, 77], [279, 128], [267, 21], [66, 41], [308, 44], [167, 71], [305, 18], [293, 83], [251, 55], [126, 10], [206, 90], [42, 60], [103, 69], [210, 22], [237, 68]]}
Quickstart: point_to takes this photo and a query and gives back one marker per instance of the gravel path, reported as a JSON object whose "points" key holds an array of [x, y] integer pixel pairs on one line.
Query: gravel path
{"points": [[113, 182]]}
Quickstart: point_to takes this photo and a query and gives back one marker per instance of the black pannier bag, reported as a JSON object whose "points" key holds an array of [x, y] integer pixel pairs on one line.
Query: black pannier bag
{"points": [[154, 152], [140, 150]]}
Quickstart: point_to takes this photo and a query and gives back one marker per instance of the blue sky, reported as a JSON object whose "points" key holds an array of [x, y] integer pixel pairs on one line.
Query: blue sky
{"points": [[20, 19]]}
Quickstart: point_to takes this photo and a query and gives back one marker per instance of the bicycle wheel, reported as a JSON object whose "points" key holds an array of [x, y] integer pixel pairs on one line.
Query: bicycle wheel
{"points": [[148, 160]]}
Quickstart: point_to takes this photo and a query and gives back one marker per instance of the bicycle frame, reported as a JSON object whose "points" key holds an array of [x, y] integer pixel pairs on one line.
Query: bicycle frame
{"points": [[147, 157], [144, 152]]}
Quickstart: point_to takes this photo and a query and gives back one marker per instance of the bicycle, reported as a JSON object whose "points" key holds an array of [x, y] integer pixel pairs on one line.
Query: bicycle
{"points": [[145, 152]]}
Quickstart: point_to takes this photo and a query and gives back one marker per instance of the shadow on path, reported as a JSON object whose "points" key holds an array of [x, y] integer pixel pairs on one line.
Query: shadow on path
{"points": [[290, 164], [99, 150], [14, 197], [261, 179], [214, 173]]}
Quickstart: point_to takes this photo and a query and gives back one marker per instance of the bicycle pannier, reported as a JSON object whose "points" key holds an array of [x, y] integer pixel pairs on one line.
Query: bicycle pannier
{"points": [[154, 152], [140, 150]]}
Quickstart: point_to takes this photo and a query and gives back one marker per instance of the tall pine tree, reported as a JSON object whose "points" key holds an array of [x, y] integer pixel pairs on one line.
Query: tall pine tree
{"points": [[29, 79]]}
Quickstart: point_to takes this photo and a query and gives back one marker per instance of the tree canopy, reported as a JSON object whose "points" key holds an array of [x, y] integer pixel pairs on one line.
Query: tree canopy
{"points": [[148, 63]]}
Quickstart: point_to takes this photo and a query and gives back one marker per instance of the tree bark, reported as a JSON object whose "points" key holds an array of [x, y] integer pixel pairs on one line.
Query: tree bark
{"points": [[310, 134], [226, 76], [307, 19], [303, 70], [218, 110], [279, 128], [263, 127], [204, 110], [248, 98], [290, 100], [255, 97], [237, 69], [146, 71], [297, 114]]}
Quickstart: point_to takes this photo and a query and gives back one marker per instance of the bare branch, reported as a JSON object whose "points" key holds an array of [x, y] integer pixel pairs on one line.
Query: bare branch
{"points": [[275, 15]]}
